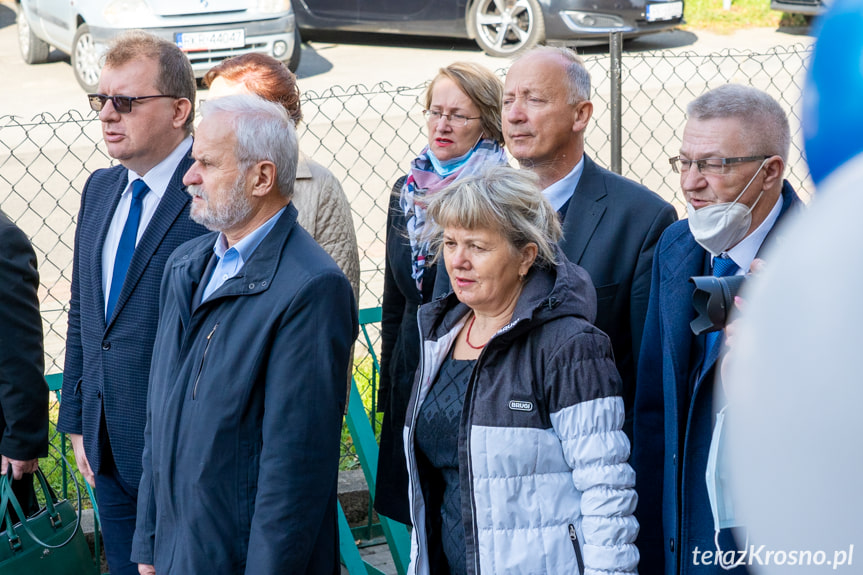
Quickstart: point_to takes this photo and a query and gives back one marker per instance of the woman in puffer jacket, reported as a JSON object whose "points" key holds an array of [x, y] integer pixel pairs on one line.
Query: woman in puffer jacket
{"points": [[516, 459]]}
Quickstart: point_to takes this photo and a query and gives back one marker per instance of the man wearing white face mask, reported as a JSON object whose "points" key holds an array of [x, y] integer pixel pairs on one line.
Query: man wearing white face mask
{"points": [[731, 164]]}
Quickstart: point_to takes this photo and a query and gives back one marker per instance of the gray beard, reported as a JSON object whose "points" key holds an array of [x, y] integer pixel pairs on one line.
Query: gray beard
{"points": [[234, 211]]}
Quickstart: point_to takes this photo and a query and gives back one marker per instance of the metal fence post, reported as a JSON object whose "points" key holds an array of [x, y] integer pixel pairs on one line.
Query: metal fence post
{"points": [[615, 50]]}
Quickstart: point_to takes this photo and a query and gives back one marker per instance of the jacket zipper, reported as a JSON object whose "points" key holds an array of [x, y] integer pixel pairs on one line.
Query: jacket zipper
{"points": [[203, 358], [411, 438], [468, 404], [574, 538]]}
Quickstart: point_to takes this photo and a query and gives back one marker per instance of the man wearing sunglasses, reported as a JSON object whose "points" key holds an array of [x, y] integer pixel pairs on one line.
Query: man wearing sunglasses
{"points": [[132, 216], [731, 165]]}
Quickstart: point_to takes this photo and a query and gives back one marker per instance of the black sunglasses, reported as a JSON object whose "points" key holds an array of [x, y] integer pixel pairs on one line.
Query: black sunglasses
{"points": [[123, 104]]}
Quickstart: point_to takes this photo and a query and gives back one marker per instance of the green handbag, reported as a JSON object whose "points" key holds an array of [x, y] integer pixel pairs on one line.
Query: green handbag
{"points": [[49, 542]]}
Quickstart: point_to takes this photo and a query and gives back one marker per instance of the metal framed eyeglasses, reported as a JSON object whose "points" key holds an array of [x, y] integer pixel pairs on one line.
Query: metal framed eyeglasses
{"points": [[123, 104], [459, 120], [710, 166]]}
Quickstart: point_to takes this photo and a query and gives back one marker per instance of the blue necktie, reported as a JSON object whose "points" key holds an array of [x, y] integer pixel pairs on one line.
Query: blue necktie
{"points": [[127, 245], [723, 266]]}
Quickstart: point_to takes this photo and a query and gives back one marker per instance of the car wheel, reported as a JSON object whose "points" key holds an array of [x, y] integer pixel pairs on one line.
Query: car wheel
{"points": [[506, 27], [85, 59], [294, 62], [34, 50]]}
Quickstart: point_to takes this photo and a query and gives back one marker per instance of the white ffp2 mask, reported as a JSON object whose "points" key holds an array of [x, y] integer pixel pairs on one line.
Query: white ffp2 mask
{"points": [[719, 227]]}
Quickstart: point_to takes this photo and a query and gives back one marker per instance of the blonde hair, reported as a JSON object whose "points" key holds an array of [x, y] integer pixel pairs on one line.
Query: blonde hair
{"points": [[174, 77], [500, 199], [483, 88]]}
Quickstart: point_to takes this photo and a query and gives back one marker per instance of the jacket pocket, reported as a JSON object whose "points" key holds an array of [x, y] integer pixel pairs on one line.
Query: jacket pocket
{"points": [[573, 536], [203, 359]]}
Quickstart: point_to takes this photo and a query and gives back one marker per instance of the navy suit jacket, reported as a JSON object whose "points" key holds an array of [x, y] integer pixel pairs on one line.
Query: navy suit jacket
{"points": [[674, 413], [108, 363], [610, 229]]}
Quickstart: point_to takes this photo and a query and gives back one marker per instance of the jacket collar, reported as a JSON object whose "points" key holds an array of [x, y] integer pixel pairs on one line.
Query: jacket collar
{"points": [[791, 204], [256, 276], [584, 212]]}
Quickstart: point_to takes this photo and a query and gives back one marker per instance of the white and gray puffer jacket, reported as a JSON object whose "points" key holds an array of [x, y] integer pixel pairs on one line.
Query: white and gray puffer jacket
{"points": [[545, 483]]}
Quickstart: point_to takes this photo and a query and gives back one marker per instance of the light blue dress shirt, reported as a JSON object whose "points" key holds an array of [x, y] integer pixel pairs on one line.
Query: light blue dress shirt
{"points": [[232, 260], [559, 192]]}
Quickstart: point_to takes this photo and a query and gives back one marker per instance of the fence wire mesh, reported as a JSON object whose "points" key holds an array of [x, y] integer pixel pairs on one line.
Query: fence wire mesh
{"points": [[367, 137]]}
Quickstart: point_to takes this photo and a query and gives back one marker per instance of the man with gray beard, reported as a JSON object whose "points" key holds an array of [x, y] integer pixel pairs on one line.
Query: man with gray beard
{"points": [[247, 384]]}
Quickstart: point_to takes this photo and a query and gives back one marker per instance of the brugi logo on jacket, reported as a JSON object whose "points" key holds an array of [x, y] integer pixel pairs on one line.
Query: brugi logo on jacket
{"points": [[518, 405]]}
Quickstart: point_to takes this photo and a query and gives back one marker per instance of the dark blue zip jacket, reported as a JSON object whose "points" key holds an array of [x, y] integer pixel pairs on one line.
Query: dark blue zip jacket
{"points": [[244, 415]]}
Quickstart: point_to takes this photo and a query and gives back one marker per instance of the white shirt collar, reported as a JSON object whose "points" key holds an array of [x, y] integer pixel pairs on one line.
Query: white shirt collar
{"points": [[747, 250], [159, 176], [559, 192]]}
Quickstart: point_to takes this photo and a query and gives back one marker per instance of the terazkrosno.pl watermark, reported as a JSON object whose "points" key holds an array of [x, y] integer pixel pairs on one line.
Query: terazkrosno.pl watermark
{"points": [[760, 555]]}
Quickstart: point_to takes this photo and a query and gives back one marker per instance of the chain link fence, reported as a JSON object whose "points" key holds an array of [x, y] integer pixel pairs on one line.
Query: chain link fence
{"points": [[367, 137]]}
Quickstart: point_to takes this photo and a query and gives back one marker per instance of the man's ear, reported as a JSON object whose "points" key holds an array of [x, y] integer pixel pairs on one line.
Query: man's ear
{"points": [[581, 117], [774, 168], [264, 173], [182, 109]]}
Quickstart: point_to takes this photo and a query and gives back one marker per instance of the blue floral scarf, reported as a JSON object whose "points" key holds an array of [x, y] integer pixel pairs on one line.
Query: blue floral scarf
{"points": [[423, 182]]}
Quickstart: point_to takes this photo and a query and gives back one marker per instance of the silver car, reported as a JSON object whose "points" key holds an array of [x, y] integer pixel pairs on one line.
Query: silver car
{"points": [[209, 31]]}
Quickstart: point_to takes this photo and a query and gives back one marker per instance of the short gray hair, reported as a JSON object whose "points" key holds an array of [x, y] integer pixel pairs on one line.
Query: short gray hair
{"points": [[763, 119], [500, 199], [577, 76], [264, 132]]}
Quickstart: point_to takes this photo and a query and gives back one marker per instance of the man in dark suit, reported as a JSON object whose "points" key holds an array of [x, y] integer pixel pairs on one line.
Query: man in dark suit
{"points": [[132, 216], [610, 224], [23, 391], [731, 165]]}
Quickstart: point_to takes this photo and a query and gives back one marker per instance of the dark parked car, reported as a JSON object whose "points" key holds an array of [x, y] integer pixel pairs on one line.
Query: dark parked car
{"points": [[500, 27]]}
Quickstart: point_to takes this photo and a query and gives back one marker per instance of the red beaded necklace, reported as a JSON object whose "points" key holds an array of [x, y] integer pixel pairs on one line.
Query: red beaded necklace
{"points": [[467, 337]]}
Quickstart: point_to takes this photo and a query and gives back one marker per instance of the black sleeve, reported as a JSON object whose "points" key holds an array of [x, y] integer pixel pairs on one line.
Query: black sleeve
{"points": [[393, 305], [23, 391]]}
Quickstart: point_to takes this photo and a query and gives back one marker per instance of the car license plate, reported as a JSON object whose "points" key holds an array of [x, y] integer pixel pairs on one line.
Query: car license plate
{"points": [[216, 40], [664, 11]]}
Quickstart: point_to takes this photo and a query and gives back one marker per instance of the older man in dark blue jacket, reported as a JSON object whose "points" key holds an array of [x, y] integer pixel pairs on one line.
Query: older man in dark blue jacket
{"points": [[247, 386], [731, 165]]}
